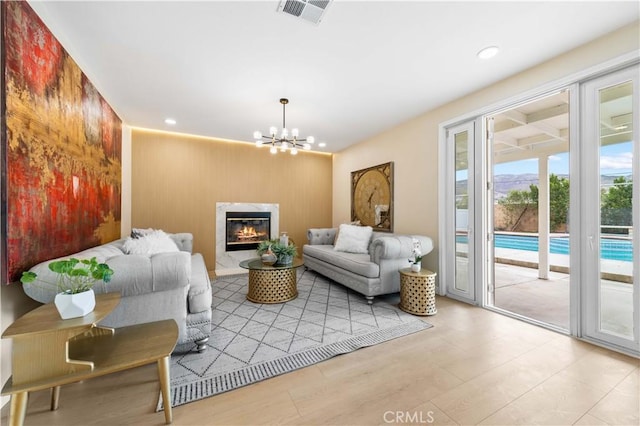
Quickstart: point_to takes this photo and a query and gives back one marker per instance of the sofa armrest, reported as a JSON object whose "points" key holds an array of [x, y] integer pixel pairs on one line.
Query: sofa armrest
{"points": [[170, 270], [184, 241], [397, 247], [200, 296], [321, 236]]}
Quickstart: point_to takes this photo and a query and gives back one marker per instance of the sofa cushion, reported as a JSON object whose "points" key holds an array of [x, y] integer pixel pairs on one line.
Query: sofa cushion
{"points": [[140, 274], [353, 239], [357, 263], [322, 236], [183, 240]]}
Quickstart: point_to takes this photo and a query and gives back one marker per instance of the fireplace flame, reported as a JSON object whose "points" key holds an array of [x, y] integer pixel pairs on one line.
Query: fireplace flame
{"points": [[248, 231]]}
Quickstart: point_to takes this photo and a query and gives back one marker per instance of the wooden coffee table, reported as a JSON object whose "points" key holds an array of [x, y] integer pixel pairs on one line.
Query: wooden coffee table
{"points": [[271, 284], [49, 352]]}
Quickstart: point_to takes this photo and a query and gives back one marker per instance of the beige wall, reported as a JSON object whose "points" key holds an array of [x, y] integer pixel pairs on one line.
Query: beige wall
{"points": [[125, 185], [413, 146], [177, 180]]}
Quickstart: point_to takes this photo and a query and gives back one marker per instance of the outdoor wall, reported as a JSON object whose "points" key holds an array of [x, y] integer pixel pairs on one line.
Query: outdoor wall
{"points": [[521, 221], [413, 145]]}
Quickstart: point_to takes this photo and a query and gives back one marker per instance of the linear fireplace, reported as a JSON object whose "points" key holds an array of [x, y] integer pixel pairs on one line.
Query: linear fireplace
{"points": [[245, 230]]}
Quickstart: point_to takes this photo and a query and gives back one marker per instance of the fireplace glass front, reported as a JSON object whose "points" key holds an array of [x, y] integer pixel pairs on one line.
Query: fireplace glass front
{"points": [[245, 230]]}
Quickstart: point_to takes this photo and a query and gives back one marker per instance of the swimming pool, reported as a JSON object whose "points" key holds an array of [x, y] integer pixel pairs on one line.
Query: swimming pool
{"points": [[610, 248]]}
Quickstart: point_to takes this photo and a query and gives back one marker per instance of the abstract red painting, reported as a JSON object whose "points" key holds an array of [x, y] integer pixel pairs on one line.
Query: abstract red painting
{"points": [[62, 150]]}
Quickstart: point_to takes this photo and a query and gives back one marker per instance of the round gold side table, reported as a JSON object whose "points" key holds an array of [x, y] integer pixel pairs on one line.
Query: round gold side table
{"points": [[271, 284], [418, 292]]}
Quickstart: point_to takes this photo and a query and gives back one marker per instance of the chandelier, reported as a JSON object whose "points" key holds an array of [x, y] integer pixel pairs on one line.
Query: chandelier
{"points": [[283, 142]]}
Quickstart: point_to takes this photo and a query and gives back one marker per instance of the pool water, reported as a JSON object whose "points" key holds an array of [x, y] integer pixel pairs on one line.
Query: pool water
{"points": [[610, 248]]}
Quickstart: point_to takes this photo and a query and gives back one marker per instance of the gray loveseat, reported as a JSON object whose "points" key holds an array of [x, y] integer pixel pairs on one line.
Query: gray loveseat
{"points": [[161, 286], [370, 274]]}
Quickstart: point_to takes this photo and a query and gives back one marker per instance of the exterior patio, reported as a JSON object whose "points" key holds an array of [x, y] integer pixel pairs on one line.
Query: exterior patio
{"points": [[519, 290]]}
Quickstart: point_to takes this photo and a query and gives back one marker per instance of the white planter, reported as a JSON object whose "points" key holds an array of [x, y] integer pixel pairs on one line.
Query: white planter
{"points": [[75, 305], [416, 267]]}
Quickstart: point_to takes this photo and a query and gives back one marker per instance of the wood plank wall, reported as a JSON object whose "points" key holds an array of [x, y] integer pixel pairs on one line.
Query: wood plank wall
{"points": [[177, 181]]}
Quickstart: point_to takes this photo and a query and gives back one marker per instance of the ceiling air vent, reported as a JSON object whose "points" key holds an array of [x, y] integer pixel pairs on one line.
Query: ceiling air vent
{"points": [[309, 10]]}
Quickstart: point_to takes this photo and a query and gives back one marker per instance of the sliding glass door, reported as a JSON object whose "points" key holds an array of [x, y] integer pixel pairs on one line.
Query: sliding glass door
{"points": [[610, 241]]}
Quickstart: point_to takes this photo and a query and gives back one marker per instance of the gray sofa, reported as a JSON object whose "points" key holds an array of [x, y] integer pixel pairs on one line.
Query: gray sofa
{"points": [[371, 274], [161, 286]]}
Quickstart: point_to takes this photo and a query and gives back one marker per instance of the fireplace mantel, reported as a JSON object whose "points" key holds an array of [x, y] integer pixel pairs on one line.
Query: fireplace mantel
{"points": [[227, 262]]}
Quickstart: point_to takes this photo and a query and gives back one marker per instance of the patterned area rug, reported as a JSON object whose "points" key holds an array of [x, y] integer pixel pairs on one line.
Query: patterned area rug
{"points": [[252, 342]]}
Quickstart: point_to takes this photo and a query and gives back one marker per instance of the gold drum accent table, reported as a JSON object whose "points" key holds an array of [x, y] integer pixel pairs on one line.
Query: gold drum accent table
{"points": [[271, 284], [418, 292]]}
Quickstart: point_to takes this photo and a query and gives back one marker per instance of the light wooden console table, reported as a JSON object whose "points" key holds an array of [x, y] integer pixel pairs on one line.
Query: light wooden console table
{"points": [[49, 352]]}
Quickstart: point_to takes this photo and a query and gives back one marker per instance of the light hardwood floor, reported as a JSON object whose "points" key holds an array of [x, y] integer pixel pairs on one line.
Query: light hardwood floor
{"points": [[473, 367]]}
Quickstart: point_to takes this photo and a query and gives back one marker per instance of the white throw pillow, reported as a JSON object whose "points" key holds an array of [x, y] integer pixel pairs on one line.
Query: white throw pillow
{"points": [[353, 239], [154, 242]]}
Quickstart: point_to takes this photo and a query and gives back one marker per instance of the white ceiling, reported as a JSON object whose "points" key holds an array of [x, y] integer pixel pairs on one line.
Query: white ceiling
{"points": [[220, 67]]}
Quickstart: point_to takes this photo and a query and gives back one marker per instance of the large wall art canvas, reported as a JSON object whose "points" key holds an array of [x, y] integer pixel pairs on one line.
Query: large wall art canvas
{"points": [[61, 146]]}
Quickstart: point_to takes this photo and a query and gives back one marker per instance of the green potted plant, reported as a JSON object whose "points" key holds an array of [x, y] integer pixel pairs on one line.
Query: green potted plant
{"points": [[284, 253], [74, 284]]}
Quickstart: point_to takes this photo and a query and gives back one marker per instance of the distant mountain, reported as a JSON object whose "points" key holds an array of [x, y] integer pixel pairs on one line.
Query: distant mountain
{"points": [[502, 184]]}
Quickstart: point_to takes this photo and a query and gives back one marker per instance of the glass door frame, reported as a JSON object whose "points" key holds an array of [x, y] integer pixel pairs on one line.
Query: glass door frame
{"points": [[486, 185], [448, 266], [446, 184], [590, 252]]}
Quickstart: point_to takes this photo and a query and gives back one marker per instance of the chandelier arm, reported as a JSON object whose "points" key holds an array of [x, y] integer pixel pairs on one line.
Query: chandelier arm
{"points": [[269, 138], [284, 141]]}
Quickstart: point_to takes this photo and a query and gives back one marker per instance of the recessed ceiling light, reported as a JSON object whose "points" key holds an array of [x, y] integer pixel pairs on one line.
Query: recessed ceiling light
{"points": [[322, 144], [488, 52], [170, 121]]}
